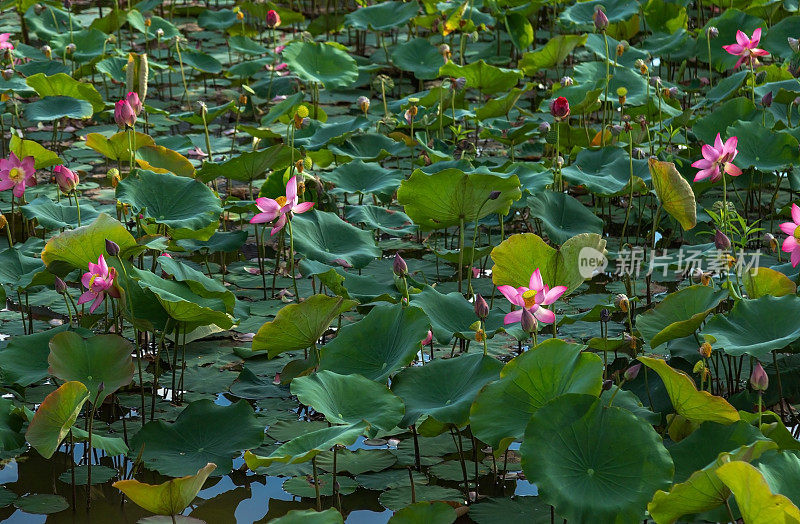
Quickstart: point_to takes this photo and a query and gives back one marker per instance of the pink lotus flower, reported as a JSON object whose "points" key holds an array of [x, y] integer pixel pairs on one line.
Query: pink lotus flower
{"points": [[136, 104], [428, 338], [280, 207], [792, 244], [99, 281], [718, 159], [66, 179], [5, 42], [745, 48], [124, 115], [532, 298], [17, 173]]}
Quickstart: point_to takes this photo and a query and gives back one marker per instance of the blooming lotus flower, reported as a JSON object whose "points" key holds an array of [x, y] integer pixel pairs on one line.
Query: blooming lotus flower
{"points": [[124, 115], [280, 207], [5, 42], [17, 174], [532, 298], [718, 159], [792, 243], [745, 48], [99, 282], [66, 179]]}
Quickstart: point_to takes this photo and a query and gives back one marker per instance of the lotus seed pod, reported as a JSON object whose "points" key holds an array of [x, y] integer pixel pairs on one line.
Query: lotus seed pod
{"points": [[705, 350], [47, 50], [713, 32], [622, 302]]}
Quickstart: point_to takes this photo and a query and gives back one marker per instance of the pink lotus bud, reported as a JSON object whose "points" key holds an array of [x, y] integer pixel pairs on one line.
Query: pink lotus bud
{"points": [[66, 179], [759, 379], [428, 339], [600, 19], [399, 266], [481, 307], [133, 99], [528, 321], [124, 114], [632, 372], [273, 19]]}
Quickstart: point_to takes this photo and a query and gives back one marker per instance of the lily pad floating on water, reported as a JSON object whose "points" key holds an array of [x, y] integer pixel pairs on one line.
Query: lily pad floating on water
{"points": [[310, 516], [41, 504], [428, 512]]}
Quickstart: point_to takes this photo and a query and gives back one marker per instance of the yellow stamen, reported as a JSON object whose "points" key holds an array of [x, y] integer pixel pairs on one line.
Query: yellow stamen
{"points": [[281, 200], [796, 234], [530, 298], [16, 174]]}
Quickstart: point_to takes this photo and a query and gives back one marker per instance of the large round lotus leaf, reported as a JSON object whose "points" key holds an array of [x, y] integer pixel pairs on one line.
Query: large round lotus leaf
{"points": [[310, 516], [204, 432], [444, 389], [321, 63], [198, 282], [24, 360], [762, 148], [251, 386], [51, 215], [563, 216], [607, 172], [503, 105], [61, 84], [418, 56], [368, 146], [358, 461], [309, 445], [503, 408], [428, 512], [674, 192], [326, 238], [75, 249], [20, 271], [317, 135], [693, 405], [724, 115], [201, 61], [348, 399], [756, 501], [55, 415], [452, 315], [399, 498], [445, 198], [382, 342], [117, 147], [100, 474], [530, 510], [703, 490], [304, 486], [248, 165], [101, 359], [487, 79], [361, 177], [555, 51], [385, 15], [220, 242], [299, 326], [41, 504], [584, 472], [390, 478], [11, 439], [160, 159], [52, 108], [679, 315], [781, 470], [174, 201], [757, 327], [168, 498], [518, 256], [580, 15], [391, 222], [775, 39]]}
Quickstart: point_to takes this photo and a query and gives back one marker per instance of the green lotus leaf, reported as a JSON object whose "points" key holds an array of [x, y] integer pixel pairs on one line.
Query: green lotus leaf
{"points": [[389, 221], [318, 135], [674, 193], [198, 282], [753, 495], [368, 146], [168, 498], [563, 216], [220, 242], [518, 256], [487, 79], [309, 445], [577, 471], [299, 326], [310, 516], [399, 498], [679, 315], [358, 461], [321, 63], [452, 315], [137, 21], [555, 51], [101, 359], [428, 512], [418, 55], [349, 399], [247, 166], [581, 14], [51, 108], [691, 404], [444, 199], [118, 147], [326, 238], [160, 159], [756, 327], [100, 474], [43, 157], [364, 178], [303, 486], [607, 172], [444, 389], [62, 84], [775, 39], [55, 416], [503, 408], [20, 272], [503, 105], [765, 281], [781, 471], [24, 360], [56, 215], [385, 15], [386, 339], [240, 44], [520, 30], [174, 201], [527, 509], [41, 504], [726, 114], [203, 432], [762, 148], [76, 248], [111, 445], [12, 441], [201, 61]]}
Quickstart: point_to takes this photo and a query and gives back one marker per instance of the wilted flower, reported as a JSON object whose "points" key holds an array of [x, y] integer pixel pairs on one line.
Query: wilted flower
{"points": [[705, 350], [444, 50], [544, 127], [622, 302], [17, 174], [641, 66], [481, 307], [280, 207], [791, 244], [717, 160], [66, 179], [99, 282], [363, 104], [600, 19], [71, 48], [771, 241], [559, 108], [459, 83], [622, 93], [745, 48], [794, 44], [566, 81], [47, 50], [532, 298], [273, 19], [616, 129], [7, 74], [399, 266], [622, 46], [124, 115], [712, 32], [759, 379]]}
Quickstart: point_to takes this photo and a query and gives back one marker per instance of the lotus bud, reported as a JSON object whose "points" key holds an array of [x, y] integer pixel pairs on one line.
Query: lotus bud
{"points": [[559, 108], [605, 315], [124, 115], [759, 379], [544, 127], [101, 387], [112, 248], [616, 130], [766, 100], [608, 384], [71, 48], [632, 372], [622, 93], [47, 50], [528, 321], [622, 46], [494, 195], [239, 15], [428, 339], [61, 286], [566, 81], [622, 303], [273, 19], [7, 74], [363, 104], [66, 179], [399, 266], [721, 241], [481, 307], [712, 32], [771, 241], [444, 50], [133, 99], [159, 33], [600, 19], [794, 44], [705, 350]]}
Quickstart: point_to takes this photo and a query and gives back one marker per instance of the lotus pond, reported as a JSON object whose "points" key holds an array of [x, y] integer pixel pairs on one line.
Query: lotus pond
{"points": [[407, 262]]}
